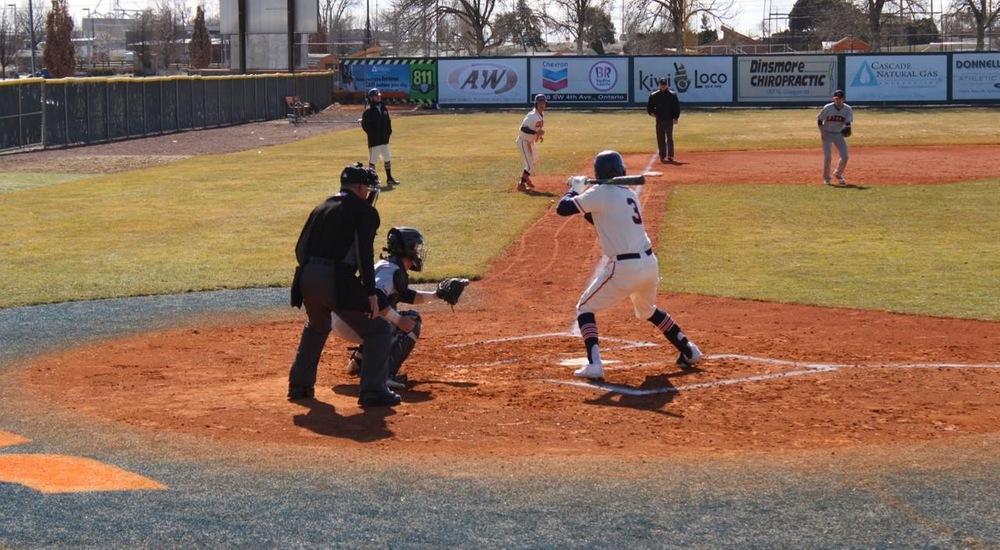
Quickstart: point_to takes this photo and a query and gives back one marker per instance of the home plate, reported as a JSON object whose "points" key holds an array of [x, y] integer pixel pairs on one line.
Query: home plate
{"points": [[581, 361]]}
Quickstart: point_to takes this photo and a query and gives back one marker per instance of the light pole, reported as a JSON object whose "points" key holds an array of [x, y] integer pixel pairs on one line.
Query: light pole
{"points": [[368, 24], [31, 28], [90, 44], [13, 8]]}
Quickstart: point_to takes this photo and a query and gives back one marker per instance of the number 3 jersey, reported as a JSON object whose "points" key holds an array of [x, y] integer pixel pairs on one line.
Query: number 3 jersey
{"points": [[617, 218]]}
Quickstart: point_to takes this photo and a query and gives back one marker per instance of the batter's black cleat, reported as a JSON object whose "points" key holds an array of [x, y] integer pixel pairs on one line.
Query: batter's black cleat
{"points": [[296, 393], [687, 360], [388, 399], [393, 182]]}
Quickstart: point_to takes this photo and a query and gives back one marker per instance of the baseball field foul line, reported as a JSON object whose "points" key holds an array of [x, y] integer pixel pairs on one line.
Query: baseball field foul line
{"points": [[809, 368]]}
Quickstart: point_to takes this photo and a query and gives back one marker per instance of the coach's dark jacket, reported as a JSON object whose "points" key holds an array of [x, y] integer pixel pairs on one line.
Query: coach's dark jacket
{"points": [[664, 104], [375, 122]]}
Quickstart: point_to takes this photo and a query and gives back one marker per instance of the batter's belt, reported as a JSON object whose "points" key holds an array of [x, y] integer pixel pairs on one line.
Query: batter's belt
{"points": [[634, 255]]}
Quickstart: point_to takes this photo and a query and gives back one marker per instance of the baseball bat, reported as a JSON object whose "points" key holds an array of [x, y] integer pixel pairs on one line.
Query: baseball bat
{"points": [[620, 180]]}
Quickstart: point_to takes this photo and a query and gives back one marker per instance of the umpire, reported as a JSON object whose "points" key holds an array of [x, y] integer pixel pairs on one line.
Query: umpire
{"points": [[335, 252], [664, 105]]}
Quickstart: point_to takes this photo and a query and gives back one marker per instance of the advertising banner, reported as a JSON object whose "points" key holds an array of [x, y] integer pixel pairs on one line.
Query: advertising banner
{"points": [[897, 78], [778, 78], [581, 80], [488, 81], [975, 76], [696, 79], [399, 79]]}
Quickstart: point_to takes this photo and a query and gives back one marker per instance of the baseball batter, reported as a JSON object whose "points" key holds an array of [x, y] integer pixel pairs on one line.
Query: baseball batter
{"points": [[632, 270], [529, 135], [834, 128]]}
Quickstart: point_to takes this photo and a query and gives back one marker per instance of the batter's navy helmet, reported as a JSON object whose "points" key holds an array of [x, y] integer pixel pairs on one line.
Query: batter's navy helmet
{"points": [[374, 92], [608, 164], [406, 242]]}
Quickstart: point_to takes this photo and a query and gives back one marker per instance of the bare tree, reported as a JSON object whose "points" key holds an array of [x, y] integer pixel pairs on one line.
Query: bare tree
{"points": [[8, 45], [336, 18], [984, 16], [680, 13], [168, 26], [60, 54], [572, 17], [474, 20]]}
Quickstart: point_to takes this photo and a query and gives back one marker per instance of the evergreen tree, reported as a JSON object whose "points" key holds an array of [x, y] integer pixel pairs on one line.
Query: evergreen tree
{"points": [[200, 47], [60, 54]]}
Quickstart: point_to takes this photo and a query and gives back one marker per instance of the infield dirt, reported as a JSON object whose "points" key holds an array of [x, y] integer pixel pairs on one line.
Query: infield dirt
{"points": [[494, 377]]}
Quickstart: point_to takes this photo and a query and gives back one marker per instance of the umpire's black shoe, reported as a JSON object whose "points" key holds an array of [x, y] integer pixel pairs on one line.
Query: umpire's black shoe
{"points": [[300, 392], [388, 399], [394, 182]]}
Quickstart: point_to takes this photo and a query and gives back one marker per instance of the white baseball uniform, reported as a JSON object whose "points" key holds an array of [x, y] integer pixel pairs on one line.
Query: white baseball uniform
{"points": [[527, 139], [632, 270]]}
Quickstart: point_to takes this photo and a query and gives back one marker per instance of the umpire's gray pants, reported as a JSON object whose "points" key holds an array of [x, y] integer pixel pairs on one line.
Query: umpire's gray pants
{"points": [[318, 294]]}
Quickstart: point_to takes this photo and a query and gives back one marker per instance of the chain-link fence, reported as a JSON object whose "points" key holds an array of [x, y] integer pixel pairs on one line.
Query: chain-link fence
{"points": [[57, 113]]}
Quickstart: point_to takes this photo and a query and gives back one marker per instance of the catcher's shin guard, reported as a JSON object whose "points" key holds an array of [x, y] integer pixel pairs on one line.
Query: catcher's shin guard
{"points": [[403, 344]]}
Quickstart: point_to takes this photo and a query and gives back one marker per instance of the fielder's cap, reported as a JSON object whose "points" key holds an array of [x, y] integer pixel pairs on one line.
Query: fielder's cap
{"points": [[662, 81], [540, 98], [838, 93], [374, 92], [358, 174]]}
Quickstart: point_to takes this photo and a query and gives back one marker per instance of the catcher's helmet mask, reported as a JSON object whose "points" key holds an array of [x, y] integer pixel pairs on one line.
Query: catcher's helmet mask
{"points": [[407, 242], [608, 164]]}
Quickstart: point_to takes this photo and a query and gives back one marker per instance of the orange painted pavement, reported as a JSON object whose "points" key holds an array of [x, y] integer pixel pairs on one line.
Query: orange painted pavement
{"points": [[68, 474], [7, 439]]}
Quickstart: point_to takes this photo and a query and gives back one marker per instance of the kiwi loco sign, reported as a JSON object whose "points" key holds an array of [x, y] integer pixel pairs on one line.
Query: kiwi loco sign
{"points": [[696, 79]]}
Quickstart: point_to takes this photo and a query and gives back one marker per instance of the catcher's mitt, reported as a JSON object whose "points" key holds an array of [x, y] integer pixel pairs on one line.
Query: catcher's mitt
{"points": [[845, 131], [450, 289]]}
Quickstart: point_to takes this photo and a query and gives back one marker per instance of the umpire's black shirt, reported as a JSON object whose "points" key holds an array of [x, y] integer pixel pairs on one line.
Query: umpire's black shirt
{"points": [[330, 230], [664, 104]]}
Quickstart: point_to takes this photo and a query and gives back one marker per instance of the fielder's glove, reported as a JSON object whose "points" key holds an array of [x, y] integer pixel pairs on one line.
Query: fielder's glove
{"points": [[450, 289], [577, 183], [845, 131]]}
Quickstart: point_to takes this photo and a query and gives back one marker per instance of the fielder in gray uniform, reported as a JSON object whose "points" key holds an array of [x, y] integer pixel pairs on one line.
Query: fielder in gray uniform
{"points": [[834, 128]]}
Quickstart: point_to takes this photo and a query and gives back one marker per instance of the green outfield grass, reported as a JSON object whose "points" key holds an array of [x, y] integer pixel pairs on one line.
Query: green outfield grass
{"points": [[230, 221]]}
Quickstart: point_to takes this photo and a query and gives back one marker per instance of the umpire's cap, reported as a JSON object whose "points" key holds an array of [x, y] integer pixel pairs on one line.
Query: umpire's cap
{"points": [[540, 98], [662, 81], [358, 174]]}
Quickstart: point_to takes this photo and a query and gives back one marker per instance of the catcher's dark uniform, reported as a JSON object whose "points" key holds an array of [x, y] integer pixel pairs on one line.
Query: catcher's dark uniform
{"points": [[335, 251]]}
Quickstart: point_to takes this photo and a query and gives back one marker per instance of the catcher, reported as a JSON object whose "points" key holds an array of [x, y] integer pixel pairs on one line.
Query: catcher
{"points": [[404, 252]]}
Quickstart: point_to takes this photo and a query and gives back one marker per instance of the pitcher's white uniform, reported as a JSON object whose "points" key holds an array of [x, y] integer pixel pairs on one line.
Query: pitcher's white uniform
{"points": [[527, 137], [632, 270]]}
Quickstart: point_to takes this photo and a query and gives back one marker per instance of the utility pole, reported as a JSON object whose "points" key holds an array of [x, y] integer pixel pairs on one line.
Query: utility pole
{"points": [[90, 44], [31, 27]]}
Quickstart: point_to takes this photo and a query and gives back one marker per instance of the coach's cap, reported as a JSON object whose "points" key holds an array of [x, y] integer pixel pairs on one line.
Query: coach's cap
{"points": [[374, 92], [838, 93], [662, 80], [540, 98]]}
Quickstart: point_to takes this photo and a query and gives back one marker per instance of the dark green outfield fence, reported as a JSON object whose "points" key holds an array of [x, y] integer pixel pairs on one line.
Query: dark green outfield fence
{"points": [[71, 111]]}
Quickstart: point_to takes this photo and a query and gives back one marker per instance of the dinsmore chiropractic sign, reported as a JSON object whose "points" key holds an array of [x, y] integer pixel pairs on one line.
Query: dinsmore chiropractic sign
{"points": [[786, 78]]}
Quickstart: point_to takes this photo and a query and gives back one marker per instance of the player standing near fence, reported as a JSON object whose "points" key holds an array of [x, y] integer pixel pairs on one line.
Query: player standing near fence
{"points": [[632, 270], [377, 124], [834, 128], [529, 135]]}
